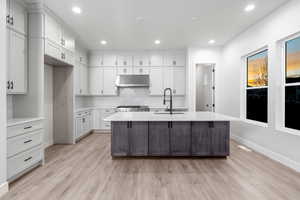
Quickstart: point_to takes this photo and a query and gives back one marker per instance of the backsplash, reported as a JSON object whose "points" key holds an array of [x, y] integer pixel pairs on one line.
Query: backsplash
{"points": [[128, 96]]}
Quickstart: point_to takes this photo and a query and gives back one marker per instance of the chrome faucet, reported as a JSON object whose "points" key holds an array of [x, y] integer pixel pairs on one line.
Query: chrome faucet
{"points": [[169, 100]]}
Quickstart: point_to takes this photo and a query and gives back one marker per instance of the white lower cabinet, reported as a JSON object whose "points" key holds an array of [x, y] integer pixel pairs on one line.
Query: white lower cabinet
{"points": [[99, 114], [83, 123], [24, 146]]}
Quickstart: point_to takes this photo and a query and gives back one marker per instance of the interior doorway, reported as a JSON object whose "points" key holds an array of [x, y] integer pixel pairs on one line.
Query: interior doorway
{"points": [[205, 87]]}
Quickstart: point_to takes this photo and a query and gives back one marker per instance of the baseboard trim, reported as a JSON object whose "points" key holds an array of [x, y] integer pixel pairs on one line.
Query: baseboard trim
{"points": [[3, 189], [271, 154]]}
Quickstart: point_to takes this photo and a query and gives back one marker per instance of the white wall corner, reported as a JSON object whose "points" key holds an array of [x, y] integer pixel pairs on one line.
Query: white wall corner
{"points": [[3, 189], [271, 154]]}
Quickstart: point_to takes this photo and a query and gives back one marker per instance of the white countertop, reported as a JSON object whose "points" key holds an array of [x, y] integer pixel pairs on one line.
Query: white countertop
{"points": [[151, 116], [17, 121]]}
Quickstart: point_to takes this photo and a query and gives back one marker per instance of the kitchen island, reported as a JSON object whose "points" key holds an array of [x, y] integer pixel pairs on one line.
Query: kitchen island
{"points": [[190, 134]]}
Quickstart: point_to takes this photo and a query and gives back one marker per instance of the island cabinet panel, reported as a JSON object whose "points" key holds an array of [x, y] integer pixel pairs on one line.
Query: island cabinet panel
{"points": [[138, 138], [220, 133], [159, 139], [120, 137], [201, 139], [180, 135]]}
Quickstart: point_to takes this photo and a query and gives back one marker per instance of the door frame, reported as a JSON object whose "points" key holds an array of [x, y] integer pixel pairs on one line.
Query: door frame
{"points": [[213, 83]]}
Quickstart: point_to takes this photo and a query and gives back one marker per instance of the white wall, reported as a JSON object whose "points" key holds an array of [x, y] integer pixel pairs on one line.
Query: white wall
{"points": [[280, 24], [3, 185], [195, 56], [48, 109]]}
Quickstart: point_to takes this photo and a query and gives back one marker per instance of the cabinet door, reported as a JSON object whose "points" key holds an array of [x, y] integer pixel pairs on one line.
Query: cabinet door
{"points": [[68, 56], [109, 60], [68, 40], [120, 145], [220, 138], [53, 30], [141, 60], [175, 59], [159, 139], [78, 123], [180, 138], [77, 78], [84, 79], [124, 70], [156, 59], [124, 61], [52, 49], [19, 14], [109, 81], [96, 119], [141, 70], [201, 139], [95, 60], [179, 80], [17, 63], [138, 138], [168, 77], [156, 81], [96, 80]]}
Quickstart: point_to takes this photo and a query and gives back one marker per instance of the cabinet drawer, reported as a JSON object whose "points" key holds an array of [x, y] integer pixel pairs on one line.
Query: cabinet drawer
{"points": [[24, 142], [23, 161], [20, 129]]}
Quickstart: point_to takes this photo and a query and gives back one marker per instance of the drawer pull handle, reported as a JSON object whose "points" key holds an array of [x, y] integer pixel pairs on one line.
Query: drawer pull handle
{"points": [[27, 159], [27, 141], [27, 127]]}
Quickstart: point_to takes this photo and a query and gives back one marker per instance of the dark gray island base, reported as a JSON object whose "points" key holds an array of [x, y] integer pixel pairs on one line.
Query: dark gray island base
{"points": [[170, 139]]}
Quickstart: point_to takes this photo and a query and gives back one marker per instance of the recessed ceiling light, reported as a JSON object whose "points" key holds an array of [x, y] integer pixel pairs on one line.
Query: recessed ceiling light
{"points": [[103, 42], [249, 7], [76, 10], [211, 41], [157, 41]]}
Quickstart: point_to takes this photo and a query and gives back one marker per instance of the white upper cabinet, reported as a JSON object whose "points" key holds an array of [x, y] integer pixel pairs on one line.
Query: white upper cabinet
{"points": [[124, 70], [96, 80], [84, 85], [16, 17], [109, 81], [179, 81], [95, 60], [175, 59], [53, 30], [168, 77], [141, 60], [109, 60], [16, 63], [141, 70], [156, 81], [68, 40], [124, 60], [155, 59]]}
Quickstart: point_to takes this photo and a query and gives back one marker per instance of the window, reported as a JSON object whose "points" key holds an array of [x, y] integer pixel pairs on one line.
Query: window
{"points": [[257, 87], [292, 83]]}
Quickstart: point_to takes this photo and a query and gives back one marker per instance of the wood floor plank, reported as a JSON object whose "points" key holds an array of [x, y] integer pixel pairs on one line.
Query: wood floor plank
{"points": [[86, 171]]}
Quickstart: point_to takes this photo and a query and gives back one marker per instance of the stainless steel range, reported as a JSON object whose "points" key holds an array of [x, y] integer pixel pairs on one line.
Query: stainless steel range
{"points": [[133, 109]]}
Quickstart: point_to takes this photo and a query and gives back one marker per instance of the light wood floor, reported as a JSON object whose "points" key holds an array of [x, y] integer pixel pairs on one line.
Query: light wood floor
{"points": [[86, 171]]}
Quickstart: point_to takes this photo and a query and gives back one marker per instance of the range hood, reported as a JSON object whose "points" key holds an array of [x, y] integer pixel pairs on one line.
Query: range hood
{"points": [[133, 81]]}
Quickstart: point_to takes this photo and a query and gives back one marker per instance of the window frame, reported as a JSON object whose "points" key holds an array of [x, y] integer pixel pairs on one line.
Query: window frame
{"points": [[285, 85], [246, 88]]}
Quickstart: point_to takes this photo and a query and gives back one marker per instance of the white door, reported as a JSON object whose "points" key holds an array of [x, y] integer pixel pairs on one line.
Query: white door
{"points": [[156, 81], [19, 15], [168, 77], [96, 80], [109, 81], [53, 30], [17, 63], [179, 80], [205, 87], [77, 78]]}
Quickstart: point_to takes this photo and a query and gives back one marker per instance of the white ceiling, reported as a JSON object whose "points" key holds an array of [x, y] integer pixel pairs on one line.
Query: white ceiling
{"points": [[167, 20]]}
